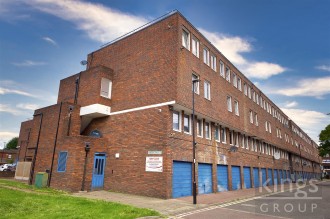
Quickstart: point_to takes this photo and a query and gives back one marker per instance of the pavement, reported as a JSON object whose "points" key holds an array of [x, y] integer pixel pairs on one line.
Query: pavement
{"points": [[182, 207]]}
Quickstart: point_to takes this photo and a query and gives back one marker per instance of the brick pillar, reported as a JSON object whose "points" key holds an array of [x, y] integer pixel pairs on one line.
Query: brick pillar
{"points": [[230, 188]]}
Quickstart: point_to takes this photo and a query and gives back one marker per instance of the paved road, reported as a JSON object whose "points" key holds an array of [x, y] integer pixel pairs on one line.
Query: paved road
{"points": [[307, 202]]}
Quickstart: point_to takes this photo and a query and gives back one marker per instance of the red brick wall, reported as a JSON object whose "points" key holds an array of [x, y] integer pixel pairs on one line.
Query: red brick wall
{"points": [[23, 139]]}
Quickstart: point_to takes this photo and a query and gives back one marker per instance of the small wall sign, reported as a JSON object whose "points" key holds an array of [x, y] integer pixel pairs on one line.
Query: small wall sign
{"points": [[154, 164], [155, 152]]}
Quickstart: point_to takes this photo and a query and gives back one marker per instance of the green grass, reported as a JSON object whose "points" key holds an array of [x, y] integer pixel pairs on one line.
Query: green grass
{"points": [[20, 204]]}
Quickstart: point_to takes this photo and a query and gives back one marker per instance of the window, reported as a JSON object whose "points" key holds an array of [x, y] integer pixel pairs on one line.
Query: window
{"points": [[106, 88], [266, 126], [253, 95], [195, 47], [200, 128], [251, 116], [243, 141], [186, 124], [245, 89], [269, 128], [234, 80], [222, 69], [217, 134], [229, 107], [213, 62], [185, 39], [247, 142], [249, 92], [223, 135], [206, 56], [195, 85], [257, 98], [62, 157], [227, 74], [236, 107], [207, 90], [207, 130], [239, 83], [256, 119], [231, 137], [261, 101], [176, 121]]}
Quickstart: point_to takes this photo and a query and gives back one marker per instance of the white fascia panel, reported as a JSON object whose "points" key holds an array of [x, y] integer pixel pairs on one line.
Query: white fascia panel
{"points": [[95, 110]]}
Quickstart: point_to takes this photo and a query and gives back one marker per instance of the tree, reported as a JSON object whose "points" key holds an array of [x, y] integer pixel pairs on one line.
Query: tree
{"points": [[324, 138], [12, 144]]}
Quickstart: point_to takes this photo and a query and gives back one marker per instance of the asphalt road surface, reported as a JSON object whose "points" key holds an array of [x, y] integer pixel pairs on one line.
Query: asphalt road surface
{"points": [[307, 202]]}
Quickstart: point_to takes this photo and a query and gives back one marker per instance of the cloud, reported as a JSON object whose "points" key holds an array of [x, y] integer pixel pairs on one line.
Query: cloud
{"points": [[101, 23], [5, 136], [11, 110], [28, 63], [233, 47], [323, 67], [314, 87], [312, 122], [50, 40], [4, 91], [27, 106], [291, 104]]}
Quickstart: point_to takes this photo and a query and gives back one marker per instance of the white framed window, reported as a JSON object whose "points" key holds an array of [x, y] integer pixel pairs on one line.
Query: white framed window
{"points": [[253, 96], [239, 83], [195, 47], [234, 80], [214, 62], [207, 128], [236, 107], [243, 140], [247, 142], [176, 121], [223, 135], [236, 139], [106, 85], [186, 39], [195, 85], [269, 127], [256, 119], [206, 56], [222, 69], [187, 124], [227, 74], [266, 126], [257, 98], [231, 137], [249, 92], [200, 128], [217, 133], [251, 116], [261, 101], [229, 106], [245, 89], [207, 90]]}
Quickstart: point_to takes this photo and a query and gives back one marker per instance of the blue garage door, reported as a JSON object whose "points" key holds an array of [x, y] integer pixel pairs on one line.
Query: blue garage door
{"points": [[204, 178], [280, 176], [270, 177], [275, 177], [256, 177], [181, 179], [264, 176], [247, 177], [222, 177], [236, 177]]}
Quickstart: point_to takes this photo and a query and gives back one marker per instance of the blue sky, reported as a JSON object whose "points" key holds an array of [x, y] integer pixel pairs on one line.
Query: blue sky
{"points": [[282, 46]]}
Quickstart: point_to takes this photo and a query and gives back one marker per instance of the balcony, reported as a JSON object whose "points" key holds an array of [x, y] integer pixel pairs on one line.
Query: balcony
{"points": [[90, 112]]}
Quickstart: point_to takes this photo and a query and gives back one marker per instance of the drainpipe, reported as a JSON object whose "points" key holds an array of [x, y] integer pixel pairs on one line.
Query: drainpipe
{"points": [[36, 149], [87, 149], [55, 144]]}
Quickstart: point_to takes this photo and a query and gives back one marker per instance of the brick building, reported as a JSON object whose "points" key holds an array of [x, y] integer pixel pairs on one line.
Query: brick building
{"points": [[125, 123]]}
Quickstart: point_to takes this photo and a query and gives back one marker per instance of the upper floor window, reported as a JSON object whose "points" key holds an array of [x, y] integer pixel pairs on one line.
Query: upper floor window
{"points": [[234, 80], [251, 116], [236, 107], [245, 89], [253, 95], [196, 84], [222, 69], [249, 92], [106, 85], [207, 130], [227, 74], [217, 133], [229, 106], [186, 39], [200, 128], [186, 124], [213, 62], [207, 90], [223, 135], [231, 137], [257, 98], [62, 158], [176, 121], [239, 83], [195, 47], [206, 56], [256, 119]]}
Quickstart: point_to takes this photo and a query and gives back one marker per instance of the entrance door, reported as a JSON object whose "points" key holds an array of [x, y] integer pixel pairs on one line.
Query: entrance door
{"points": [[98, 171]]}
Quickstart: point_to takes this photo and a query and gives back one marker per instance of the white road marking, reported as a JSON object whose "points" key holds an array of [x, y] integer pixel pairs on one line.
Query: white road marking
{"points": [[258, 213], [248, 205]]}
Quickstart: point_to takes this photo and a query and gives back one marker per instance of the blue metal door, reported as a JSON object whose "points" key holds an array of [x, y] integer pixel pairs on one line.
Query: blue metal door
{"points": [[236, 177], [270, 177], [204, 178], [181, 179], [222, 177], [256, 177], [280, 176], [98, 171], [247, 177], [275, 177], [264, 176]]}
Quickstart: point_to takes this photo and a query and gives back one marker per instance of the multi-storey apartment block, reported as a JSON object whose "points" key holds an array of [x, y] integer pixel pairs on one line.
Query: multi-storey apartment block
{"points": [[125, 123]]}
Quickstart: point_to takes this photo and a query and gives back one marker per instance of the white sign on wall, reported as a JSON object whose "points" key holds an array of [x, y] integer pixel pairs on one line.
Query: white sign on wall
{"points": [[154, 164]]}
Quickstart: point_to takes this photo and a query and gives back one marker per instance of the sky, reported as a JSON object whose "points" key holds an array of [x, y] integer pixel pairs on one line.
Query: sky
{"points": [[281, 46]]}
